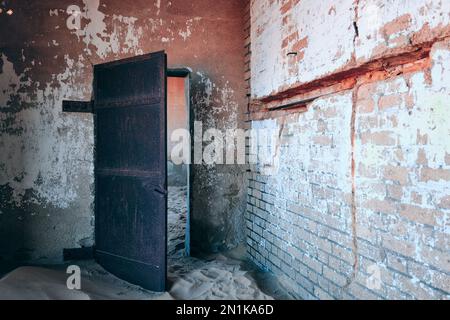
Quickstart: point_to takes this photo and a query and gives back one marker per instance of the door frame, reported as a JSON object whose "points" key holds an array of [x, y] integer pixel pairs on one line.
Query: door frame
{"points": [[186, 74]]}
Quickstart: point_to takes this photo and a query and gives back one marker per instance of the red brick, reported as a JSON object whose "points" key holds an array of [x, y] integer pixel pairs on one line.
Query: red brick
{"points": [[367, 122], [399, 24], [300, 44], [390, 101], [395, 192], [444, 202], [422, 139], [384, 206], [393, 120], [286, 41], [404, 248], [422, 157], [429, 174], [382, 138], [401, 40], [288, 5], [323, 140], [366, 106], [399, 156], [398, 174], [333, 276], [410, 101], [416, 198], [366, 91], [436, 258], [418, 214], [367, 172]]}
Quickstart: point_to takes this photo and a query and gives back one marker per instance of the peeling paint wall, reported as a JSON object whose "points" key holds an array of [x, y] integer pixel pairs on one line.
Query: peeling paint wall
{"points": [[357, 204], [46, 158], [272, 67]]}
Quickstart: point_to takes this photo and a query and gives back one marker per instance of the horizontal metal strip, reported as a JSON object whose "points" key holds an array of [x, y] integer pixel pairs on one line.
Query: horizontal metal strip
{"points": [[127, 173], [77, 106], [127, 259], [134, 59], [128, 103]]}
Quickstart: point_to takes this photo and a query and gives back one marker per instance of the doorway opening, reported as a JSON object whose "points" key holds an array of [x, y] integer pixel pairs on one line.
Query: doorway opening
{"points": [[178, 175]]}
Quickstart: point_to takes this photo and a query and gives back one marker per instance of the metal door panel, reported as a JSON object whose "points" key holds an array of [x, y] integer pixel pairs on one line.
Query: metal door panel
{"points": [[130, 169]]}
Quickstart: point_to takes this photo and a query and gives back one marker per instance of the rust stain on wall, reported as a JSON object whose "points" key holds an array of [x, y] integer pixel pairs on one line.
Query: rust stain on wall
{"points": [[381, 64]]}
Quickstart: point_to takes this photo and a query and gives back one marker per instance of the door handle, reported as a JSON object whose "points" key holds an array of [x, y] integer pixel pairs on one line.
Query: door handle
{"points": [[161, 191], [150, 187]]}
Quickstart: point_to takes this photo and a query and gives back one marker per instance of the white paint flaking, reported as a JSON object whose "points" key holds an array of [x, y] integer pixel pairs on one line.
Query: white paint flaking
{"points": [[51, 153]]}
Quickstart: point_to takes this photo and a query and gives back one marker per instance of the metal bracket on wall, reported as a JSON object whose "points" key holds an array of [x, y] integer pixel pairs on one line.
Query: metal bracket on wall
{"points": [[78, 106], [84, 253], [294, 105]]}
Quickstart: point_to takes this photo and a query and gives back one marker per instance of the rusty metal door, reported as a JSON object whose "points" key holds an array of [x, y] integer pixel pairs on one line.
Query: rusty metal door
{"points": [[130, 169]]}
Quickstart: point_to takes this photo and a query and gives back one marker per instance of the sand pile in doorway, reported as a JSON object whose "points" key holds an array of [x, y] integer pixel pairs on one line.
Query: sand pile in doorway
{"points": [[176, 221], [214, 277], [221, 276]]}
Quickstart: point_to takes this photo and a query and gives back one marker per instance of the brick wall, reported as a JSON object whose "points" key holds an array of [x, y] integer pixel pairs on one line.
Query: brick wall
{"points": [[299, 217], [354, 202]]}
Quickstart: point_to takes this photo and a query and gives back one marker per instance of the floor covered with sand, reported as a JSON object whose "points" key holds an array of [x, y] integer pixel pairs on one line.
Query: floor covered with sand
{"points": [[219, 276]]}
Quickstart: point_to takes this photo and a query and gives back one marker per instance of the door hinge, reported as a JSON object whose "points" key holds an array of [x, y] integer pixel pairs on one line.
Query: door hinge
{"points": [[78, 106]]}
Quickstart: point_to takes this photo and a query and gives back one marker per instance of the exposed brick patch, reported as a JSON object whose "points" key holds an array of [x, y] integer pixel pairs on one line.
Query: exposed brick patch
{"points": [[430, 174], [399, 24], [287, 5]]}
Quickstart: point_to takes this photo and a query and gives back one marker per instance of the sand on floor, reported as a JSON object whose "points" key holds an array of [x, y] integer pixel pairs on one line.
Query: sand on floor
{"points": [[218, 276]]}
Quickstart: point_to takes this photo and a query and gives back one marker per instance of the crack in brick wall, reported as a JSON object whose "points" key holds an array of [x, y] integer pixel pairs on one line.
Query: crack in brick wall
{"points": [[353, 200]]}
